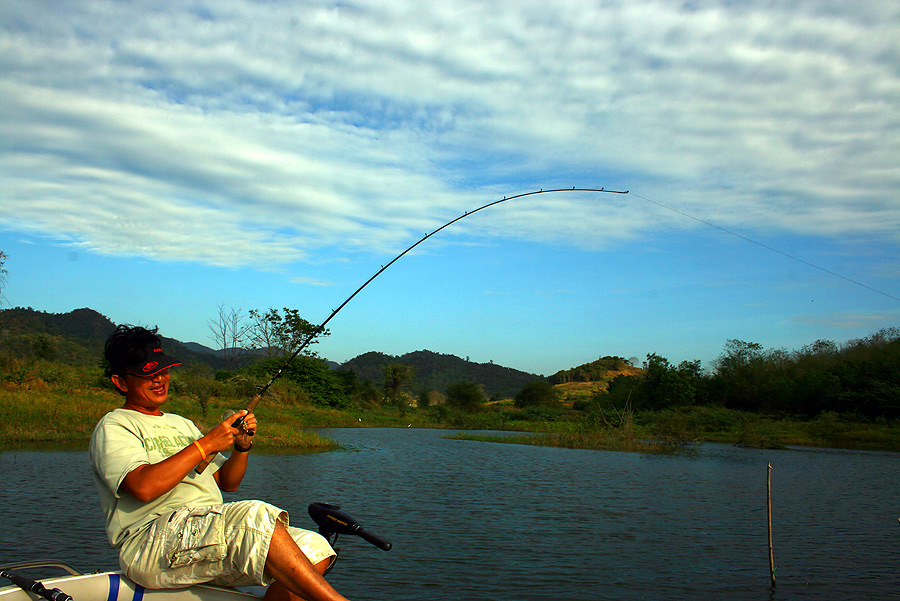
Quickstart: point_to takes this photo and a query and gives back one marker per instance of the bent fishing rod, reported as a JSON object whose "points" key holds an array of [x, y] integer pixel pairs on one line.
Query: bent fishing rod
{"points": [[321, 327]]}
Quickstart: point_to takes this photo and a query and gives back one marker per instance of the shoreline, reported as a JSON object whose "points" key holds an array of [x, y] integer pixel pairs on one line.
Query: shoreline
{"points": [[54, 420]]}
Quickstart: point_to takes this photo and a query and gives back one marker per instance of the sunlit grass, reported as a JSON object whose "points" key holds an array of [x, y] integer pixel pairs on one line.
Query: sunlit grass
{"points": [[54, 405], [51, 416], [38, 415]]}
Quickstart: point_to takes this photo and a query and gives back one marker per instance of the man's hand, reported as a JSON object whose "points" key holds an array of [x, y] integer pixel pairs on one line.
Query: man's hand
{"points": [[223, 435], [246, 430]]}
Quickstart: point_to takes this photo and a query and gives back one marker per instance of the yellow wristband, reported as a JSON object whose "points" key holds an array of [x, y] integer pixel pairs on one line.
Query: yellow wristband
{"points": [[199, 448]]}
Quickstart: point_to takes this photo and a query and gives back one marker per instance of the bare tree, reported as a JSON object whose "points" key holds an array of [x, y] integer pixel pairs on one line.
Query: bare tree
{"points": [[229, 333], [262, 333]]}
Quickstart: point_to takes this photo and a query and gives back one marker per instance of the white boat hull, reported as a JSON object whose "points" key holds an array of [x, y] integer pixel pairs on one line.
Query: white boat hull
{"points": [[113, 586]]}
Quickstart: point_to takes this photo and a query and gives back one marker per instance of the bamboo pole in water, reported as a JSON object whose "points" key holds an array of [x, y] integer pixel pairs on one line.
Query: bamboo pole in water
{"points": [[769, 511]]}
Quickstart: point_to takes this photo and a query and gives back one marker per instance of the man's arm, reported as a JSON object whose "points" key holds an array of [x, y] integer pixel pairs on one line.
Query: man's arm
{"points": [[230, 475], [149, 481]]}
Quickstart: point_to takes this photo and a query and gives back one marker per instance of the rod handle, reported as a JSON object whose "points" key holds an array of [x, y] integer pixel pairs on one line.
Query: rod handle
{"points": [[37, 588], [201, 467]]}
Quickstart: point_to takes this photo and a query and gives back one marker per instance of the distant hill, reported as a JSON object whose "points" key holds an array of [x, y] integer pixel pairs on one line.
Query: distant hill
{"points": [[199, 348], [84, 324], [434, 371], [582, 382], [77, 337], [600, 370]]}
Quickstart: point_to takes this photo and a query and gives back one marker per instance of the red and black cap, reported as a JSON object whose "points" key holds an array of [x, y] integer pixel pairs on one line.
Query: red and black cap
{"points": [[155, 362]]}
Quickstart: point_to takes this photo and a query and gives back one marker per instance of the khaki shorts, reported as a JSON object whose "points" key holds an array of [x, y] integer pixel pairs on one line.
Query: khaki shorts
{"points": [[224, 544]]}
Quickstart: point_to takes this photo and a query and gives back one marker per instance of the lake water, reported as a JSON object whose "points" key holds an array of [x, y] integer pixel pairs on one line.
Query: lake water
{"points": [[487, 521]]}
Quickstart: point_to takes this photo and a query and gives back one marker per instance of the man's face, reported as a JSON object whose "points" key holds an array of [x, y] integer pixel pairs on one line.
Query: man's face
{"points": [[146, 395]]}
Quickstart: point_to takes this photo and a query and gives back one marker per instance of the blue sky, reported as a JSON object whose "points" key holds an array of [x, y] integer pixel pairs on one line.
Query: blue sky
{"points": [[159, 160]]}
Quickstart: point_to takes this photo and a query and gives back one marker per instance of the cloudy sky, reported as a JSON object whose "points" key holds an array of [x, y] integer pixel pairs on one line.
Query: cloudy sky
{"points": [[163, 159]]}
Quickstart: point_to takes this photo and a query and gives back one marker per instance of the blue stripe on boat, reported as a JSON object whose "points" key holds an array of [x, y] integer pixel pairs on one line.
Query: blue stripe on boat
{"points": [[113, 587], [138, 593]]}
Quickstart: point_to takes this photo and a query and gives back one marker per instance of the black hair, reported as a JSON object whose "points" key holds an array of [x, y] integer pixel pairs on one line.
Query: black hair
{"points": [[127, 345]]}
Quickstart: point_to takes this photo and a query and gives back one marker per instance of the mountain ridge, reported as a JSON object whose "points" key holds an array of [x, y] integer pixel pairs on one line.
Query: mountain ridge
{"points": [[436, 371], [78, 336]]}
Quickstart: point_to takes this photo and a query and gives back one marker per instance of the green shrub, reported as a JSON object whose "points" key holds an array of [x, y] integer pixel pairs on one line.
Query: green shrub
{"points": [[541, 414], [674, 427], [467, 396], [539, 393]]}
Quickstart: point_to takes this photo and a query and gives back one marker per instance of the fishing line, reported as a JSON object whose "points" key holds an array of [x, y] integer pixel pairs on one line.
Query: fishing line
{"points": [[767, 247], [201, 467]]}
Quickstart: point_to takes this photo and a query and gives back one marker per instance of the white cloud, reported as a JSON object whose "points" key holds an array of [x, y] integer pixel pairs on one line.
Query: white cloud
{"points": [[311, 282], [851, 321], [235, 132]]}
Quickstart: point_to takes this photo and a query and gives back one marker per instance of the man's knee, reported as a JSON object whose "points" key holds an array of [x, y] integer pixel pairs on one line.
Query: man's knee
{"points": [[323, 566], [313, 545]]}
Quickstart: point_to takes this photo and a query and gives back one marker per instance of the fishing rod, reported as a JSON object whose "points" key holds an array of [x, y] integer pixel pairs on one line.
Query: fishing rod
{"points": [[38, 588], [318, 329]]}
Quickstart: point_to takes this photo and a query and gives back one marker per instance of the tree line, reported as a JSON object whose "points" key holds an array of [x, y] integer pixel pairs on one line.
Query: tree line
{"points": [[860, 377]]}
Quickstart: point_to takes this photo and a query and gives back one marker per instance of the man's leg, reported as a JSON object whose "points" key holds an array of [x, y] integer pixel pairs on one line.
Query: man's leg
{"points": [[277, 592], [295, 576]]}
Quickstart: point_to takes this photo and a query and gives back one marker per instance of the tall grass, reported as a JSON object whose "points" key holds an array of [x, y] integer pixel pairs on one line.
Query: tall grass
{"points": [[45, 402], [613, 430], [44, 415], [59, 404]]}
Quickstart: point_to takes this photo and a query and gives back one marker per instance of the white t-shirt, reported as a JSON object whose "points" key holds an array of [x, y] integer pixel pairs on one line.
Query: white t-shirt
{"points": [[125, 439]]}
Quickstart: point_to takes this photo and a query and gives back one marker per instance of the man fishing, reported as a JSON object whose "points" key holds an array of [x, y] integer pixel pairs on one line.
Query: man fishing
{"points": [[168, 521]]}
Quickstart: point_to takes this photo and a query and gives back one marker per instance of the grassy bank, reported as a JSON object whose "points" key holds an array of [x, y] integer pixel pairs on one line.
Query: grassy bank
{"points": [[600, 441], [681, 430], [48, 416], [61, 408]]}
